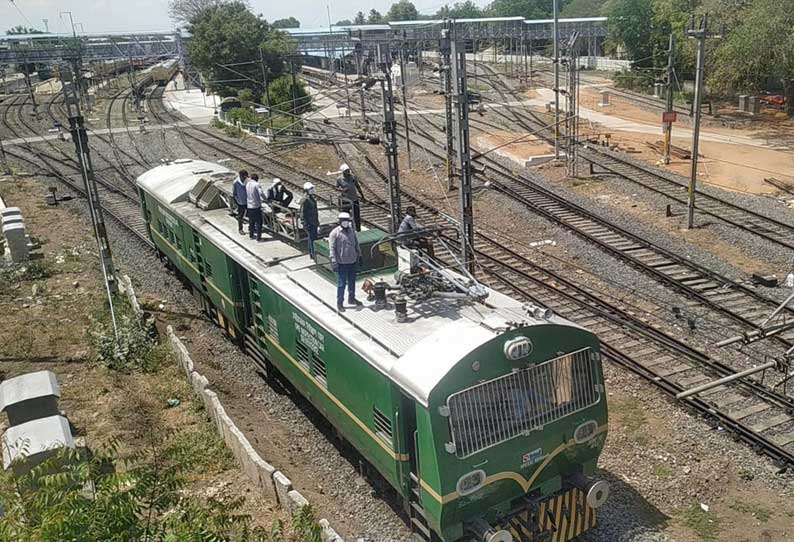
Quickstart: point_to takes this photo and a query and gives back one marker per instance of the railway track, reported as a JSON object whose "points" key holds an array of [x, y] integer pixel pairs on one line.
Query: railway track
{"points": [[120, 205], [758, 224]]}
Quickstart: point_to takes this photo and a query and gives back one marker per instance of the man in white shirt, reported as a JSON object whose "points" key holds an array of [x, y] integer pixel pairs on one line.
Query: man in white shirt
{"points": [[253, 194]]}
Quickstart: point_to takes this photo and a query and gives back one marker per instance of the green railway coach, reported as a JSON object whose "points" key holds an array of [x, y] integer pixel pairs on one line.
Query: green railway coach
{"points": [[486, 416]]}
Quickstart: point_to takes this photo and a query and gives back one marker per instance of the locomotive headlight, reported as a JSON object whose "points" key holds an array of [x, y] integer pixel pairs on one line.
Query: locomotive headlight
{"points": [[517, 348], [585, 431], [470, 482]]}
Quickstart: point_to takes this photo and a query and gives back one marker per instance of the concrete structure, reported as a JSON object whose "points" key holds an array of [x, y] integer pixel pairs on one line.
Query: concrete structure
{"points": [[29, 397], [35, 441], [16, 241]]}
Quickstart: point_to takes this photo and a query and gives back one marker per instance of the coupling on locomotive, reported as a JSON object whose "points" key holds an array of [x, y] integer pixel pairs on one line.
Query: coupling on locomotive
{"points": [[486, 414]]}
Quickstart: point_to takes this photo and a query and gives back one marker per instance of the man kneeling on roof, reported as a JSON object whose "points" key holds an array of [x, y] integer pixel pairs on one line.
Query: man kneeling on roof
{"points": [[408, 225], [278, 193]]}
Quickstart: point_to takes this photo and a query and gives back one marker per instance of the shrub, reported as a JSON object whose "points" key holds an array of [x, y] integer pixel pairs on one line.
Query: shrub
{"points": [[86, 498], [134, 349]]}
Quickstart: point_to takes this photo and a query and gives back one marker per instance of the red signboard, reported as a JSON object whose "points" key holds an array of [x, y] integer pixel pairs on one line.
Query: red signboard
{"points": [[669, 116]]}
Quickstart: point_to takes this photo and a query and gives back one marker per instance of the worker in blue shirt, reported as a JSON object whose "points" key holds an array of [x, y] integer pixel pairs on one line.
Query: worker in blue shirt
{"points": [[240, 198]]}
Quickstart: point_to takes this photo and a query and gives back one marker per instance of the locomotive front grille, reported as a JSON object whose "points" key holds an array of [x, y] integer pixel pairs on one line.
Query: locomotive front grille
{"points": [[500, 409]]}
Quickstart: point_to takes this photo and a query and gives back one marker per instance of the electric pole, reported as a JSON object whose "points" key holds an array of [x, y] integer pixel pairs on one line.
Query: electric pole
{"points": [[700, 34], [390, 140], [668, 126], [463, 152], [267, 94], [3, 159], [80, 139], [555, 7], [404, 81], [446, 79]]}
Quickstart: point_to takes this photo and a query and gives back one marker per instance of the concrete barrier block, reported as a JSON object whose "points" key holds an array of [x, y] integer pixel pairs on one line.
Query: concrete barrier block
{"points": [[126, 286], [207, 397], [296, 501], [198, 382], [182, 355], [283, 487], [265, 472], [28, 444], [328, 534], [29, 397]]}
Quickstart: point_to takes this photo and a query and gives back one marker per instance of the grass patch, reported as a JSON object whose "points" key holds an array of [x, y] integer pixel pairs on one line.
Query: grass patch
{"points": [[759, 512], [706, 525], [631, 415], [201, 450], [13, 274], [662, 471]]}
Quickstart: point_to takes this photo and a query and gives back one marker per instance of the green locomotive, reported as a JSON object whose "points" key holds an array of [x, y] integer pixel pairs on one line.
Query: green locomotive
{"points": [[485, 414]]}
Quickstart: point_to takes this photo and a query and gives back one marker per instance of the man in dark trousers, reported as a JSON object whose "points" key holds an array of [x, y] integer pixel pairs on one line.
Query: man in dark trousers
{"points": [[345, 255], [310, 216], [349, 190], [279, 194], [240, 198], [254, 205]]}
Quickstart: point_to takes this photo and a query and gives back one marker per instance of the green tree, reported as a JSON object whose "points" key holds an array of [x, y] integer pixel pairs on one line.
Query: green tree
{"points": [[529, 9], [404, 10], [582, 8], [20, 30], [631, 24], [185, 11], [226, 39], [375, 17], [289, 22], [281, 96], [759, 50], [459, 10], [360, 18], [343, 22]]}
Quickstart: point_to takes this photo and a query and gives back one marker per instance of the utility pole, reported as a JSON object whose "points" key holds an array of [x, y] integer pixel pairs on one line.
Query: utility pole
{"points": [[668, 126], [446, 79], [556, 82], [700, 34], [46, 26], [80, 138], [267, 94], [294, 85], [390, 140], [461, 100], [3, 159], [404, 81]]}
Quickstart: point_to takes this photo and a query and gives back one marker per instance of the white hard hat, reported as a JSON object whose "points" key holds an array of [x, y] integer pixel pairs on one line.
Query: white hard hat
{"points": [[344, 216], [344, 167], [276, 181], [308, 186]]}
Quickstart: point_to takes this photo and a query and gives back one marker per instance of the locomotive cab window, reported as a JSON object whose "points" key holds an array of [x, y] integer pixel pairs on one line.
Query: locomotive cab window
{"points": [[508, 406]]}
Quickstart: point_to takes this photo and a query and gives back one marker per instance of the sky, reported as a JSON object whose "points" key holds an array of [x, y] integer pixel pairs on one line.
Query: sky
{"points": [[97, 16]]}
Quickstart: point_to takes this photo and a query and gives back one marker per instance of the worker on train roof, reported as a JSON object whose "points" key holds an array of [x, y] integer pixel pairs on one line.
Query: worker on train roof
{"points": [[345, 256]]}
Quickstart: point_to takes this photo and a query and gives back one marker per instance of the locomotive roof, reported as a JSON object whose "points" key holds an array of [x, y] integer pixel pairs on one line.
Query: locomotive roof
{"points": [[440, 330]]}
